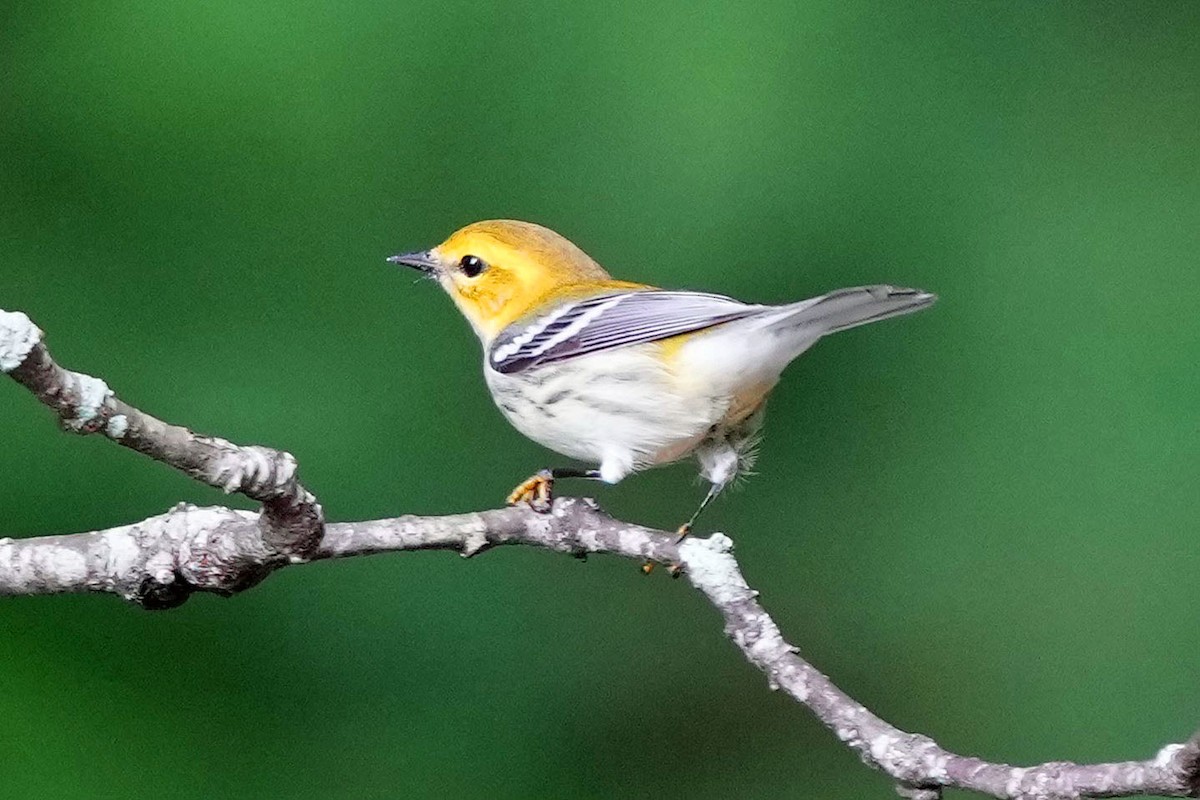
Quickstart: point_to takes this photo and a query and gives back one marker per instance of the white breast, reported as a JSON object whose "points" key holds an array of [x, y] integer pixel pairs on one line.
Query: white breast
{"points": [[622, 409]]}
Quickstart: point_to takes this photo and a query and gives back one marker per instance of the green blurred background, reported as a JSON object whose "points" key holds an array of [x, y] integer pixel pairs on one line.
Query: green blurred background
{"points": [[981, 521]]}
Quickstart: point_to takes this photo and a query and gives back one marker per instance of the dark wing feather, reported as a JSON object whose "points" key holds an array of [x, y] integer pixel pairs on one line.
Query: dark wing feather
{"points": [[608, 321]]}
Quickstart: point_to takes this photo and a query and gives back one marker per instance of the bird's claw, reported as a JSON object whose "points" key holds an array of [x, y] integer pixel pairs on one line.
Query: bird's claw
{"points": [[675, 570], [536, 490]]}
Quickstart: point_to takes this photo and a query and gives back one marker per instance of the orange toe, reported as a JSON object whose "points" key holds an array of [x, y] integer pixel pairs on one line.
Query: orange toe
{"points": [[536, 490]]}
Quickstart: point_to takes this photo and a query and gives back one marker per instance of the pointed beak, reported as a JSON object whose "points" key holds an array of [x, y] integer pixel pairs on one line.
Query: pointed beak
{"points": [[421, 260]]}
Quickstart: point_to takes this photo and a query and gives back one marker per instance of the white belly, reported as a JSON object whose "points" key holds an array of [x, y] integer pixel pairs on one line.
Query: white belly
{"points": [[634, 407], [622, 409]]}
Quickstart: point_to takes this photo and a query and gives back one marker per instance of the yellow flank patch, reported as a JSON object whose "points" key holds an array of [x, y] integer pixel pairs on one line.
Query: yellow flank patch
{"points": [[746, 402], [669, 348]]}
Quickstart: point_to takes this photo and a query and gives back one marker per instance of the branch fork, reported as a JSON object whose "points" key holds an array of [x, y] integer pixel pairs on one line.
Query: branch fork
{"points": [[159, 562]]}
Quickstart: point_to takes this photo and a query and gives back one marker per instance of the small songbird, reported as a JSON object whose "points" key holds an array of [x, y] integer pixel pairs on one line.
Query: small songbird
{"points": [[623, 375]]}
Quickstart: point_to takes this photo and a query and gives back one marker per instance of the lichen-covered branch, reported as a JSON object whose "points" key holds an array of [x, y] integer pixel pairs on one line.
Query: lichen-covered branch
{"points": [[159, 562], [292, 518]]}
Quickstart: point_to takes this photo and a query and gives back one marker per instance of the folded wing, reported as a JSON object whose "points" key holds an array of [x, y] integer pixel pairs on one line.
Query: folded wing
{"points": [[608, 321]]}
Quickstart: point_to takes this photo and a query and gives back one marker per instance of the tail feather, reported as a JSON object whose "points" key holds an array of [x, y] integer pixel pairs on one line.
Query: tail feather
{"points": [[849, 308]]}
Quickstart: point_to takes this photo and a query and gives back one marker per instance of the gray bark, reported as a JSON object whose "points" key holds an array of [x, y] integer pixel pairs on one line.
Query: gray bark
{"points": [[161, 561]]}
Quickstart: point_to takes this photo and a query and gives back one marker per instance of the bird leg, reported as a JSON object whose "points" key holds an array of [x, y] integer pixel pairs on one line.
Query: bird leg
{"points": [[538, 489], [684, 530]]}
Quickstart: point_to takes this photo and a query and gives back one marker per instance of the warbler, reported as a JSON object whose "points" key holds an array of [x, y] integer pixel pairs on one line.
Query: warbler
{"points": [[622, 375]]}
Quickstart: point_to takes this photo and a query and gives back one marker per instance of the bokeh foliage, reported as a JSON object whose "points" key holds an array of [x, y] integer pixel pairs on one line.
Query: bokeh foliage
{"points": [[982, 521]]}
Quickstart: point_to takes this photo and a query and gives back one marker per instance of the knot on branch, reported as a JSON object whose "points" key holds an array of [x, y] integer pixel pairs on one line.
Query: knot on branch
{"points": [[1183, 760], [221, 550], [913, 759], [292, 519], [293, 528], [162, 561], [154, 596]]}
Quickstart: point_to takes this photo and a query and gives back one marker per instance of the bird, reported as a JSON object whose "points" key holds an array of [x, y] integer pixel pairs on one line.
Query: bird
{"points": [[625, 376]]}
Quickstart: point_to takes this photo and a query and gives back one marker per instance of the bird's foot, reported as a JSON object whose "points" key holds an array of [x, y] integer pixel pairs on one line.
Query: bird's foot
{"points": [[537, 490], [675, 570]]}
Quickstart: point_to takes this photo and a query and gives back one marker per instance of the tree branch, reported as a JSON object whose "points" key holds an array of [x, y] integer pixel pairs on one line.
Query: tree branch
{"points": [[291, 519], [159, 562]]}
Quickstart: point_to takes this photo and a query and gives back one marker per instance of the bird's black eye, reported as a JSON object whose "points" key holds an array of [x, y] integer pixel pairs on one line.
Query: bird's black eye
{"points": [[471, 265]]}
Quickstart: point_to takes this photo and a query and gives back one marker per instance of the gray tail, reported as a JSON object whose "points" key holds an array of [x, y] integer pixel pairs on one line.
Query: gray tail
{"points": [[849, 308]]}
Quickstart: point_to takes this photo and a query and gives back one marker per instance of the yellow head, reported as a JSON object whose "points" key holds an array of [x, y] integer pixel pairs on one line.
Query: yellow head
{"points": [[498, 271]]}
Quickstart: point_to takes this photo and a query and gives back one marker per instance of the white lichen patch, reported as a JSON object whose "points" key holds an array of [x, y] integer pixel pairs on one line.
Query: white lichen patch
{"points": [[117, 426], [475, 539], [50, 565], [712, 568], [937, 769], [251, 469], [1015, 778], [231, 470], [849, 735], [93, 393], [1167, 755], [769, 644], [161, 567], [880, 747], [7, 554], [123, 551], [541, 528], [69, 565], [799, 690], [720, 543], [631, 542], [589, 539], [18, 335]]}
